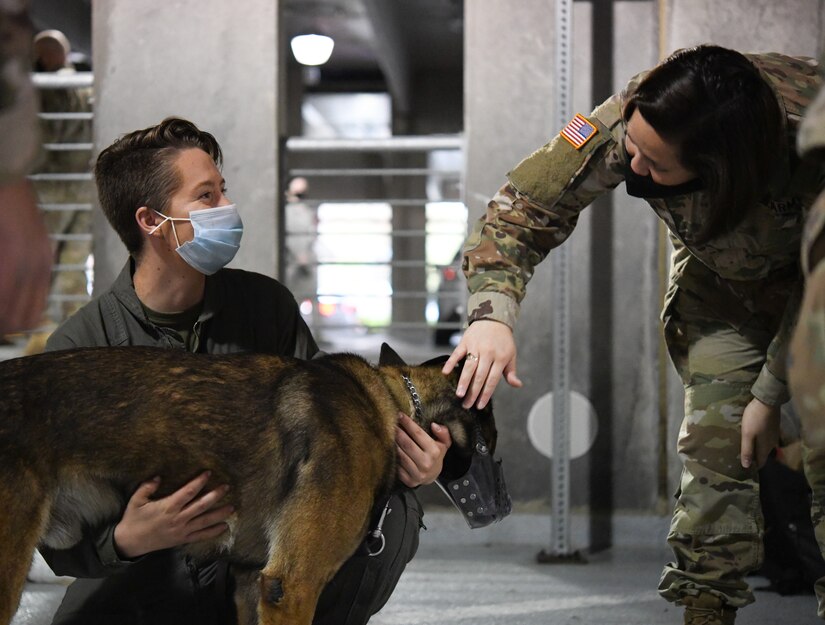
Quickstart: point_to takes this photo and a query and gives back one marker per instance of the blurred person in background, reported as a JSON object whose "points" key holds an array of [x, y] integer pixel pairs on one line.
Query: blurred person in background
{"points": [[806, 370], [25, 251], [72, 227]]}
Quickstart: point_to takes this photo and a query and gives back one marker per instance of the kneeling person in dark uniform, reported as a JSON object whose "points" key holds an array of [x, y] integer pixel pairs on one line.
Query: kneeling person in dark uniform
{"points": [[163, 193]]}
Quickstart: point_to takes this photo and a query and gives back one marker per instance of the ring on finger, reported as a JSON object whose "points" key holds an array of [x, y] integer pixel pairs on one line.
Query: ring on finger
{"points": [[471, 356]]}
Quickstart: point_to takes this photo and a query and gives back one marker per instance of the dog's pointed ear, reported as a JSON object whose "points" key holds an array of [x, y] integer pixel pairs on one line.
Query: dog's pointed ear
{"points": [[437, 361], [388, 357]]}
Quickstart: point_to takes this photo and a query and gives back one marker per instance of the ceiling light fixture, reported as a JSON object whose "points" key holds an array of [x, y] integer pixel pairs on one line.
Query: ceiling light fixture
{"points": [[312, 49]]}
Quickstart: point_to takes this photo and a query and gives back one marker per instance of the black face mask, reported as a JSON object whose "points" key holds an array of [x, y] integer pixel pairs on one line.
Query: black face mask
{"points": [[644, 187]]}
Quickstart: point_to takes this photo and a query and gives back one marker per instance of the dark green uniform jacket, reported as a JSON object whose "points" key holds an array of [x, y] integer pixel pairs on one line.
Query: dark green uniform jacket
{"points": [[242, 312]]}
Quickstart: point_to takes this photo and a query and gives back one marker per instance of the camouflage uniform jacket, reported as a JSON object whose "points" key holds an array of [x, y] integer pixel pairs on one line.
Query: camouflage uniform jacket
{"points": [[18, 109], [539, 207]]}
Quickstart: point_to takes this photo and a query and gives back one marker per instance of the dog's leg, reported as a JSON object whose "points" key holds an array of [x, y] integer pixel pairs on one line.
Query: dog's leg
{"points": [[21, 524], [246, 595], [308, 547]]}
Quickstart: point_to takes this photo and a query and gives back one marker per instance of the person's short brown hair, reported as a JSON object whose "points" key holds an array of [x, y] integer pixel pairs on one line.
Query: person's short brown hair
{"points": [[138, 170]]}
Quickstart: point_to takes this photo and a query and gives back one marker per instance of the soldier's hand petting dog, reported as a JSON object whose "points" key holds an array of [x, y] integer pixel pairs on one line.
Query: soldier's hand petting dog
{"points": [[489, 352], [420, 456], [185, 516]]}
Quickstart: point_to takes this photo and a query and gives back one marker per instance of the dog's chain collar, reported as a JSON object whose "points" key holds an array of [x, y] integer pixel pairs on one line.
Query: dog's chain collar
{"points": [[376, 536], [415, 398]]}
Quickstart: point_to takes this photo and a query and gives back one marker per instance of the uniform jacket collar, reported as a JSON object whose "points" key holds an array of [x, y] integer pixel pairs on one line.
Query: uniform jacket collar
{"points": [[124, 290]]}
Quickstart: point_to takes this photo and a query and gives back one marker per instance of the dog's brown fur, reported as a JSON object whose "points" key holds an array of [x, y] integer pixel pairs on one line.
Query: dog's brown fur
{"points": [[297, 441]]}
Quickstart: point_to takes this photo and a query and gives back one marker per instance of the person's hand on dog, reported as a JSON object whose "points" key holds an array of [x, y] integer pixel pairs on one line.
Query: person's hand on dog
{"points": [[420, 456], [185, 516], [489, 350]]}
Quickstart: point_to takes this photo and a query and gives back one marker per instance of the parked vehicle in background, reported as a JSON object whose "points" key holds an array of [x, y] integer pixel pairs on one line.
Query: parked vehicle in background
{"points": [[451, 299]]}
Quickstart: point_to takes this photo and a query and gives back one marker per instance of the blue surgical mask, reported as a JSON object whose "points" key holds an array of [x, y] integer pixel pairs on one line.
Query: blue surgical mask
{"points": [[217, 237]]}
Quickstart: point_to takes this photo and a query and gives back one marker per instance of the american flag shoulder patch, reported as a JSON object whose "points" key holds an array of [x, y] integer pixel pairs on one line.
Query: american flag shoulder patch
{"points": [[579, 131]]}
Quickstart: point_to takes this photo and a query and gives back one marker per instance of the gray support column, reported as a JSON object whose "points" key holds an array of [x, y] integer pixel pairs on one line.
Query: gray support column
{"points": [[792, 26], [508, 113], [212, 63]]}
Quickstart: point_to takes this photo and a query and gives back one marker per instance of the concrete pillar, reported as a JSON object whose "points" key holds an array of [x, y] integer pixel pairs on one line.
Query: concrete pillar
{"points": [[509, 112], [213, 64], [791, 26]]}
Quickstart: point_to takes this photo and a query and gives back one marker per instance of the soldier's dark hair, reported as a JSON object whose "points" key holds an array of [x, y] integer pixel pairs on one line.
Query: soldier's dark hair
{"points": [[138, 170], [715, 106]]}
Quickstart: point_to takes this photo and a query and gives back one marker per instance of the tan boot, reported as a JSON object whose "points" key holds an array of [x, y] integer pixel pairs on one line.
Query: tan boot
{"points": [[707, 609]]}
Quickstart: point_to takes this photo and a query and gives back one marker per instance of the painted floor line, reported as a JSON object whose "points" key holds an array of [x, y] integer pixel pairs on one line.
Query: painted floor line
{"points": [[426, 617]]}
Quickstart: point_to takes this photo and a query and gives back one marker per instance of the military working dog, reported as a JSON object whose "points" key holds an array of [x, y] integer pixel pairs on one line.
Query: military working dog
{"points": [[295, 441]]}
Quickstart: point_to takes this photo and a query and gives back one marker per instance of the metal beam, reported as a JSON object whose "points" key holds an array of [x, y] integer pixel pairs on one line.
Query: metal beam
{"points": [[391, 51]]}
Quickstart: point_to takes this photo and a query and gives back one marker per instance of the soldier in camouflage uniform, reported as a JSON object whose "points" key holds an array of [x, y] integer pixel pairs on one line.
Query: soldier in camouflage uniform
{"points": [[25, 252], [707, 138], [806, 370]]}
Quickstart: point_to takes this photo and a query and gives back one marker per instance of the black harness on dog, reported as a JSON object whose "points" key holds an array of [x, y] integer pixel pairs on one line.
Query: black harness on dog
{"points": [[375, 541]]}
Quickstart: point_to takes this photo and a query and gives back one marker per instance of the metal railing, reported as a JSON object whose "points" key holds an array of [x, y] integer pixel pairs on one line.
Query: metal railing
{"points": [[399, 183], [63, 183]]}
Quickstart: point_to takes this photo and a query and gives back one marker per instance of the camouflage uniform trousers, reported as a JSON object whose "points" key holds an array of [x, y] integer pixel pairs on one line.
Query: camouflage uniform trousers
{"points": [[716, 530]]}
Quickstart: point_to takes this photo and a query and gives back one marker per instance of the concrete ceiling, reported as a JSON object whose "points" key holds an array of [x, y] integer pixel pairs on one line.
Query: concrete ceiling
{"points": [[428, 33], [377, 42]]}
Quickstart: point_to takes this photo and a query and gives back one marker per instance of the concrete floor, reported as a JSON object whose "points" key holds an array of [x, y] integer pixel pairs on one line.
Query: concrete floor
{"points": [[490, 577], [503, 584]]}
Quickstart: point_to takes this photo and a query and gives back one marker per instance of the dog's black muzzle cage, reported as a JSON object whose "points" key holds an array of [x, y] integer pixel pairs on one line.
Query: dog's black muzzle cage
{"points": [[481, 493]]}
